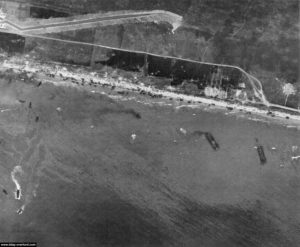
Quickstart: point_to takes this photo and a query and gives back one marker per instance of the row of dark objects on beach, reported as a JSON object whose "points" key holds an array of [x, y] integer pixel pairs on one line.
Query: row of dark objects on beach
{"points": [[92, 83], [142, 92]]}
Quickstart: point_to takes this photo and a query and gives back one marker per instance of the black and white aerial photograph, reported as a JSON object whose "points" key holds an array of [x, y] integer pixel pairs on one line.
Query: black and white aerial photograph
{"points": [[150, 123]]}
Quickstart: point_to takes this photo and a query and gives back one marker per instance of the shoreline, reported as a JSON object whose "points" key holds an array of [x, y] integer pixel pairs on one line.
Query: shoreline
{"points": [[60, 72]]}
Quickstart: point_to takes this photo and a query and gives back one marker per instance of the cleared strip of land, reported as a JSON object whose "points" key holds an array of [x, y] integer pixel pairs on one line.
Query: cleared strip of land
{"points": [[90, 20]]}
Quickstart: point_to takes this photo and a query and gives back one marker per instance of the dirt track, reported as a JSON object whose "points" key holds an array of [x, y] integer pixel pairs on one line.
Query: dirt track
{"points": [[88, 182]]}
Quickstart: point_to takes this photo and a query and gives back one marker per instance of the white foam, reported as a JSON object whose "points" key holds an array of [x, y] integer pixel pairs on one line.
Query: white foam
{"points": [[17, 169]]}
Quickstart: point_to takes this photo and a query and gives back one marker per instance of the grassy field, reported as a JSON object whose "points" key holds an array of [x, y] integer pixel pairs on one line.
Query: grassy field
{"points": [[102, 171]]}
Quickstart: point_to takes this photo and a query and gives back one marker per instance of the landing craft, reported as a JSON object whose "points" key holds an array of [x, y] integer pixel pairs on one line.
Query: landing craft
{"points": [[212, 141], [261, 153], [18, 194]]}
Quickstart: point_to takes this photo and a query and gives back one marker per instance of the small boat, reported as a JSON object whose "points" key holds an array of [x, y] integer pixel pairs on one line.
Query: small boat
{"points": [[18, 194], [261, 152], [213, 143]]}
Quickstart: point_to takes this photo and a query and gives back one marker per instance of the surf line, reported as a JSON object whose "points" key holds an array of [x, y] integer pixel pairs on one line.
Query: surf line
{"points": [[18, 191]]}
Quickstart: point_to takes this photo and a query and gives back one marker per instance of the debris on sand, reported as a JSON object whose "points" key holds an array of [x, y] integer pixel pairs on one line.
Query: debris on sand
{"points": [[22, 101], [183, 131], [59, 109], [210, 138], [274, 148], [261, 153]]}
